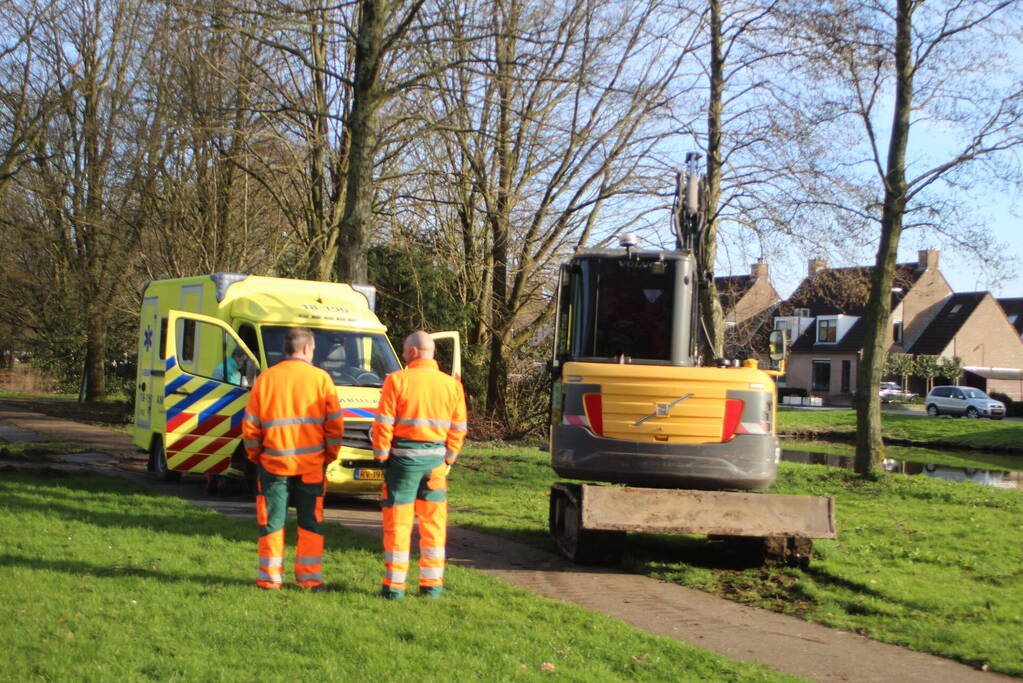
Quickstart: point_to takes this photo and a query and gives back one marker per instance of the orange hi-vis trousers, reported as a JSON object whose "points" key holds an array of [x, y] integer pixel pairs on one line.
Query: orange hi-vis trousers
{"points": [[306, 491], [414, 487]]}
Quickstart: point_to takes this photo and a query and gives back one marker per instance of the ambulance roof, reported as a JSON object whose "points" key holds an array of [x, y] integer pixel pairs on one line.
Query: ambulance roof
{"points": [[299, 302]]}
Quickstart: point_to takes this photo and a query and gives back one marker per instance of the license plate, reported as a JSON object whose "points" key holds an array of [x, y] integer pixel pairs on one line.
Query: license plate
{"points": [[369, 475]]}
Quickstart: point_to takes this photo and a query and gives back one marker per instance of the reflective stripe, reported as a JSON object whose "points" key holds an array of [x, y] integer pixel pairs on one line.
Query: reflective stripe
{"points": [[380, 453], [460, 426], [272, 578], [271, 562], [252, 444], [384, 419], [308, 559], [289, 421], [432, 553], [334, 442], [333, 416], [316, 576], [418, 452], [396, 556], [249, 417], [450, 456], [423, 422], [395, 576], [431, 572], [284, 452]]}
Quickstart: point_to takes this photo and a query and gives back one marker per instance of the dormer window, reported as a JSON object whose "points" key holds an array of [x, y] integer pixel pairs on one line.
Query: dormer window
{"points": [[827, 330], [802, 313]]}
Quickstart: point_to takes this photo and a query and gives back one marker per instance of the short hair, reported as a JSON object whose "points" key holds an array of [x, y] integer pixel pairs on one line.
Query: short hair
{"points": [[296, 338], [238, 351]]}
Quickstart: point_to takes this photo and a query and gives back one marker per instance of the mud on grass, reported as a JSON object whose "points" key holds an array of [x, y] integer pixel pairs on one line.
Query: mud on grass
{"points": [[36, 451], [111, 413]]}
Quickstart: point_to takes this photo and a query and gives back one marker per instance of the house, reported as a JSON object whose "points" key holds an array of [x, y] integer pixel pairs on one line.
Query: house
{"points": [[747, 302], [825, 317], [1014, 312], [745, 296]]}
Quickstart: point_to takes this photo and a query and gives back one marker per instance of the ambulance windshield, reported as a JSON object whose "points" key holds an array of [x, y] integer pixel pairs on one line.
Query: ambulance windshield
{"points": [[351, 358]]}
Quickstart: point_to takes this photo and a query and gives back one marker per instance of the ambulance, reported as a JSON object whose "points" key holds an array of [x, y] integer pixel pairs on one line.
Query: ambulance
{"points": [[202, 341]]}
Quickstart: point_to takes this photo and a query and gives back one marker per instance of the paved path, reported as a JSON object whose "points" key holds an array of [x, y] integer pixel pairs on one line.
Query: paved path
{"points": [[784, 643]]}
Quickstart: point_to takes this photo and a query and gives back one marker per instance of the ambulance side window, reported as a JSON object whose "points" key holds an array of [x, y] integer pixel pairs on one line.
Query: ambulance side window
{"points": [[161, 343], [247, 333], [187, 341]]}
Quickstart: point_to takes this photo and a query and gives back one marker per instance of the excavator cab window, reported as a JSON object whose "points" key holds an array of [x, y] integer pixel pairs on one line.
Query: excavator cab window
{"points": [[618, 309]]}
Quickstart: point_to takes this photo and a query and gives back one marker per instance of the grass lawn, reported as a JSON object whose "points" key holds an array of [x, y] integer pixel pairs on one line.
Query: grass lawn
{"points": [[928, 564], [106, 581], [917, 429]]}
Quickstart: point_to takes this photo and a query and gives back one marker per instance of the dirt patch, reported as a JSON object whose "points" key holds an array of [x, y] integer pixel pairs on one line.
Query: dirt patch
{"points": [[109, 413]]}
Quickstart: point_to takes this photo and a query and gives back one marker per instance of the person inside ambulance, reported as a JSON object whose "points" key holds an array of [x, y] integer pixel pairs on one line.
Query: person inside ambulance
{"points": [[233, 368]]}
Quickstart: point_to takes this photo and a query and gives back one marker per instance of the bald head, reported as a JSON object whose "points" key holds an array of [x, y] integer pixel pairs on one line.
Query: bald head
{"points": [[418, 345]]}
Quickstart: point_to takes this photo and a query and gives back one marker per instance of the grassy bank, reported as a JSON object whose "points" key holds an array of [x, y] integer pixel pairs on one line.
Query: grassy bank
{"points": [[934, 432], [104, 581], [924, 563]]}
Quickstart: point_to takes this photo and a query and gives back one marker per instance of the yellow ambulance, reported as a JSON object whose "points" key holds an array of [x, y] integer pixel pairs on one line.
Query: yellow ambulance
{"points": [[202, 341]]}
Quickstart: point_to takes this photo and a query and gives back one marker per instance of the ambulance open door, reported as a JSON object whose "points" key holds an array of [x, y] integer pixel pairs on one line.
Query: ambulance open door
{"points": [[449, 352], [206, 388]]}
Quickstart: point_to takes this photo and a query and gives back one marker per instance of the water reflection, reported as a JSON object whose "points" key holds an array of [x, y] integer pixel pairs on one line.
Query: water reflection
{"points": [[999, 478]]}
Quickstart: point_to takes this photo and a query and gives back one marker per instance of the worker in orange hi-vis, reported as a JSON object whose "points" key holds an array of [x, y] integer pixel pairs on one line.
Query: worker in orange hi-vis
{"points": [[292, 431], [418, 432]]}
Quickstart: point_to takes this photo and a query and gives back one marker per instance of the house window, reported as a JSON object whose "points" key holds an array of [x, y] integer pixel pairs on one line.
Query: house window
{"points": [[822, 375], [827, 330], [846, 375], [897, 332]]}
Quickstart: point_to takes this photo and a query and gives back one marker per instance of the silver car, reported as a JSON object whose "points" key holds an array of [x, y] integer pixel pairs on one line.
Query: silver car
{"points": [[890, 391], [965, 401]]}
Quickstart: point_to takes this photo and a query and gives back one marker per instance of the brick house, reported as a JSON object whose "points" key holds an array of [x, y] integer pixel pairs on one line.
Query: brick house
{"points": [[825, 319], [825, 316], [748, 303]]}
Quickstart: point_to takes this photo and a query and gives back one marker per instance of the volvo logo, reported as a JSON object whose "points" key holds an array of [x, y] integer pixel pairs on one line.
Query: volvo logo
{"points": [[661, 410]]}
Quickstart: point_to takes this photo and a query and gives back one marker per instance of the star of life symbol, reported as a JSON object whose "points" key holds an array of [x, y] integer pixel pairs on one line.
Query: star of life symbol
{"points": [[147, 338]]}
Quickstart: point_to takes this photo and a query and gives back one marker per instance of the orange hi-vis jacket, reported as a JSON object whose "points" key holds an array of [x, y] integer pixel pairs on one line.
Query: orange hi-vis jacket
{"points": [[293, 422], [420, 404]]}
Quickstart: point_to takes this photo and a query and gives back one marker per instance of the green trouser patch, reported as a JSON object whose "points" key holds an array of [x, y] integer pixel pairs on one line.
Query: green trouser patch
{"points": [[407, 479], [278, 489]]}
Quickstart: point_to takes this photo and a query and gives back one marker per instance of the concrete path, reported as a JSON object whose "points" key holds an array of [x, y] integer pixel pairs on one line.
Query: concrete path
{"points": [[784, 643]]}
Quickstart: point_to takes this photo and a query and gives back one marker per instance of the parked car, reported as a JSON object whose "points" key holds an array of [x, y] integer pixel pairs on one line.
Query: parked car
{"points": [[890, 391], [965, 401]]}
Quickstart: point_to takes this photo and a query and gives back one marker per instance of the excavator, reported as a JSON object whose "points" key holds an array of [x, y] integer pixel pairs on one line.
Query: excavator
{"points": [[656, 439]]}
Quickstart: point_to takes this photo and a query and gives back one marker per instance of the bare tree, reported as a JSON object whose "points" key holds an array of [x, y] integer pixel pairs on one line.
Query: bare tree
{"points": [[95, 155], [204, 213], [944, 73], [29, 93], [553, 120]]}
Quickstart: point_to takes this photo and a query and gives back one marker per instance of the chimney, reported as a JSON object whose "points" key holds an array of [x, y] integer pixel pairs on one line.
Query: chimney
{"points": [[927, 259], [815, 265], [758, 269]]}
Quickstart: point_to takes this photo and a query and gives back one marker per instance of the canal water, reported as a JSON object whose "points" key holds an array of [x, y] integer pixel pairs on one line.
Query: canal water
{"points": [[999, 478]]}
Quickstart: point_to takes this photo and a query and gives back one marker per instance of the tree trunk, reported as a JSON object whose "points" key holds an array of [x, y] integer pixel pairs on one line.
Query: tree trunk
{"points": [[95, 355], [364, 128], [500, 315], [711, 314], [869, 443]]}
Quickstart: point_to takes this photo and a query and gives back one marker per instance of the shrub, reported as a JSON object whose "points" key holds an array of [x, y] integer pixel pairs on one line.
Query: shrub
{"points": [[791, 391], [1012, 408]]}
